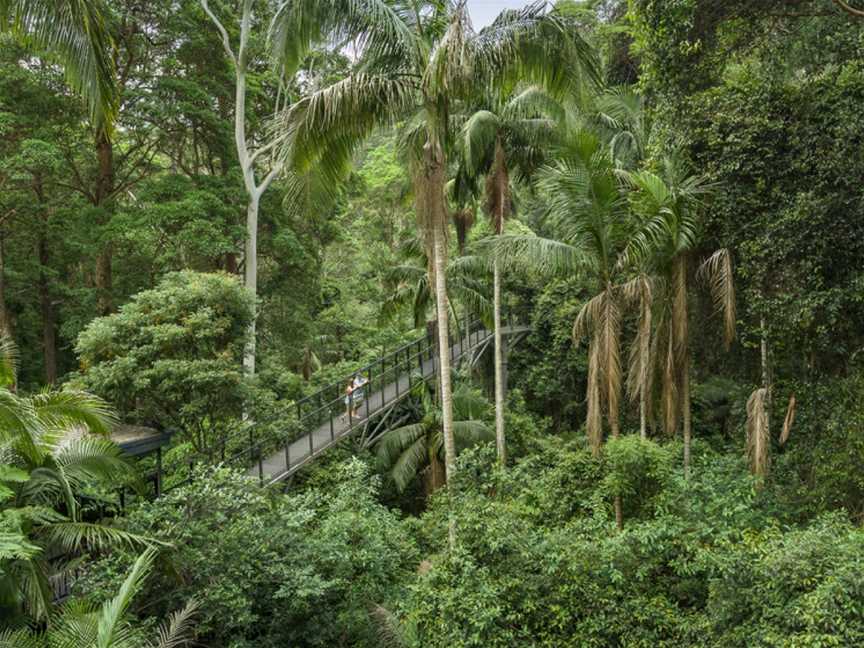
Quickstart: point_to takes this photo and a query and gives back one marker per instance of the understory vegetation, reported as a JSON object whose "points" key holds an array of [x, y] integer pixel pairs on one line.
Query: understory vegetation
{"points": [[384, 323]]}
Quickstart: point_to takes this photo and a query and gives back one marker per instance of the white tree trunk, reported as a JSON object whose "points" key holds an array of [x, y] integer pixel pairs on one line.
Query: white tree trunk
{"points": [[250, 279], [500, 439], [247, 158]]}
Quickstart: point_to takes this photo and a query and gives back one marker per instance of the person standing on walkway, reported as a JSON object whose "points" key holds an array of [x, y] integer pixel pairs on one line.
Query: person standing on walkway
{"points": [[357, 393], [354, 395]]}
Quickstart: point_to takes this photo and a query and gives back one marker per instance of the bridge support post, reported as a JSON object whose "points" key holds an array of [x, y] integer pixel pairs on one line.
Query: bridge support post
{"points": [[287, 454]]}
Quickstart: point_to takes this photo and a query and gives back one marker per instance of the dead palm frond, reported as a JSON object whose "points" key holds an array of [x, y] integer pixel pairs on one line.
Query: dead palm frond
{"points": [[758, 434], [640, 290], [600, 318], [789, 420], [717, 272]]}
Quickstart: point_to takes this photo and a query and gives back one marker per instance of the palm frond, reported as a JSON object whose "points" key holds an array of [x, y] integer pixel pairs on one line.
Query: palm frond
{"points": [[322, 129], [111, 617], [391, 633], [479, 135], [177, 631], [94, 458], [375, 27], [61, 411], [470, 433], [409, 463], [718, 274], [74, 33], [758, 434], [547, 257], [20, 639], [396, 441], [534, 46], [72, 536], [20, 427], [640, 290], [9, 358]]}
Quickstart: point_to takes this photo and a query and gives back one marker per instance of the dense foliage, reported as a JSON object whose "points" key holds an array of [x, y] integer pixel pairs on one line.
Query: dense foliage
{"points": [[660, 198]]}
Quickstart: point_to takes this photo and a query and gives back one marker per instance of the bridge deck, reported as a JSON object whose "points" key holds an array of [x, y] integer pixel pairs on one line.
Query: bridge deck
{"points": [[283, 464]]}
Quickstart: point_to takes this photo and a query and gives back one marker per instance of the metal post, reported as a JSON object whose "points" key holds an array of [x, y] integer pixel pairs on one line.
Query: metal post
{"points": [[287, 454], [332, 432], [397, 374], [311, 442], [251, 445]]}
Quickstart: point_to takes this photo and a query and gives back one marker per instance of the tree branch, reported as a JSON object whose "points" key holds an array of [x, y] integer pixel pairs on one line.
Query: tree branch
{"points": [[226, 42], [269, 178], [852, 11], [267, 147]]}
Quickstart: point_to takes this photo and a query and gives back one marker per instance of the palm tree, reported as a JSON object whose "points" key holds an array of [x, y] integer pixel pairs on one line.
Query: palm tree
{"points": [[588, 210], [84, 625], [667, 238], [407, 284], [418, 448], [499, 139], [52, 444], [415, 59], [74, 33]]}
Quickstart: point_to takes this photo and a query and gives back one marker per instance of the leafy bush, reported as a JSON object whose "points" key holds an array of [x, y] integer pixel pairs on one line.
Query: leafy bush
{"points": [[171, 356], [701, 562], [271, 570]]}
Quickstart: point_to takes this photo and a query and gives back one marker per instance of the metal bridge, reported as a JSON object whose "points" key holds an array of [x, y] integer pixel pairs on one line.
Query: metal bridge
{"points": [[273, 450], [322, 415]]}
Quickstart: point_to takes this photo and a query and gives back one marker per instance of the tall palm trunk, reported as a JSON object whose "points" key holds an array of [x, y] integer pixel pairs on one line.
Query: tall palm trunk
{"points": [[680, 330], [500, 440], [440, 261], [499, 204]]}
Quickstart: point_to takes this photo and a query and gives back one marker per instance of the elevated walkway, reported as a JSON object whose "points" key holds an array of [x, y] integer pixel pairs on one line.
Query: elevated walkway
{"points": [[391, 378]]}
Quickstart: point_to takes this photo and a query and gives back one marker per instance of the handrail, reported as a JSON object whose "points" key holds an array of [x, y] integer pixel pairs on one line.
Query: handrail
{"points": [[252, 443]]}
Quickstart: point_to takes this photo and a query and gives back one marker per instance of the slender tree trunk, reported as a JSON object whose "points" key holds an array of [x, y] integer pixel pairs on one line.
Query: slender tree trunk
{"points": [[615, 429], [246, 157], [682, 350], [104, 186], [440, 260], [685, 400], [643, 415], [500, 204], [500, 440], [49, 324], [105, 279], [251, 279], [441, 305], [766, 369]]}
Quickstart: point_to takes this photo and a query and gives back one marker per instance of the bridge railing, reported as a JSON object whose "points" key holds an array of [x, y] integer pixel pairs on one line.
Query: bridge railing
{"points": [[389, 378]]}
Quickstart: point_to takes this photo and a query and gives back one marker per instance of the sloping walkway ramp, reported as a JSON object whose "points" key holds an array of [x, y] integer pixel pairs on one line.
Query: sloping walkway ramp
{"points": [[391, 378]]}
